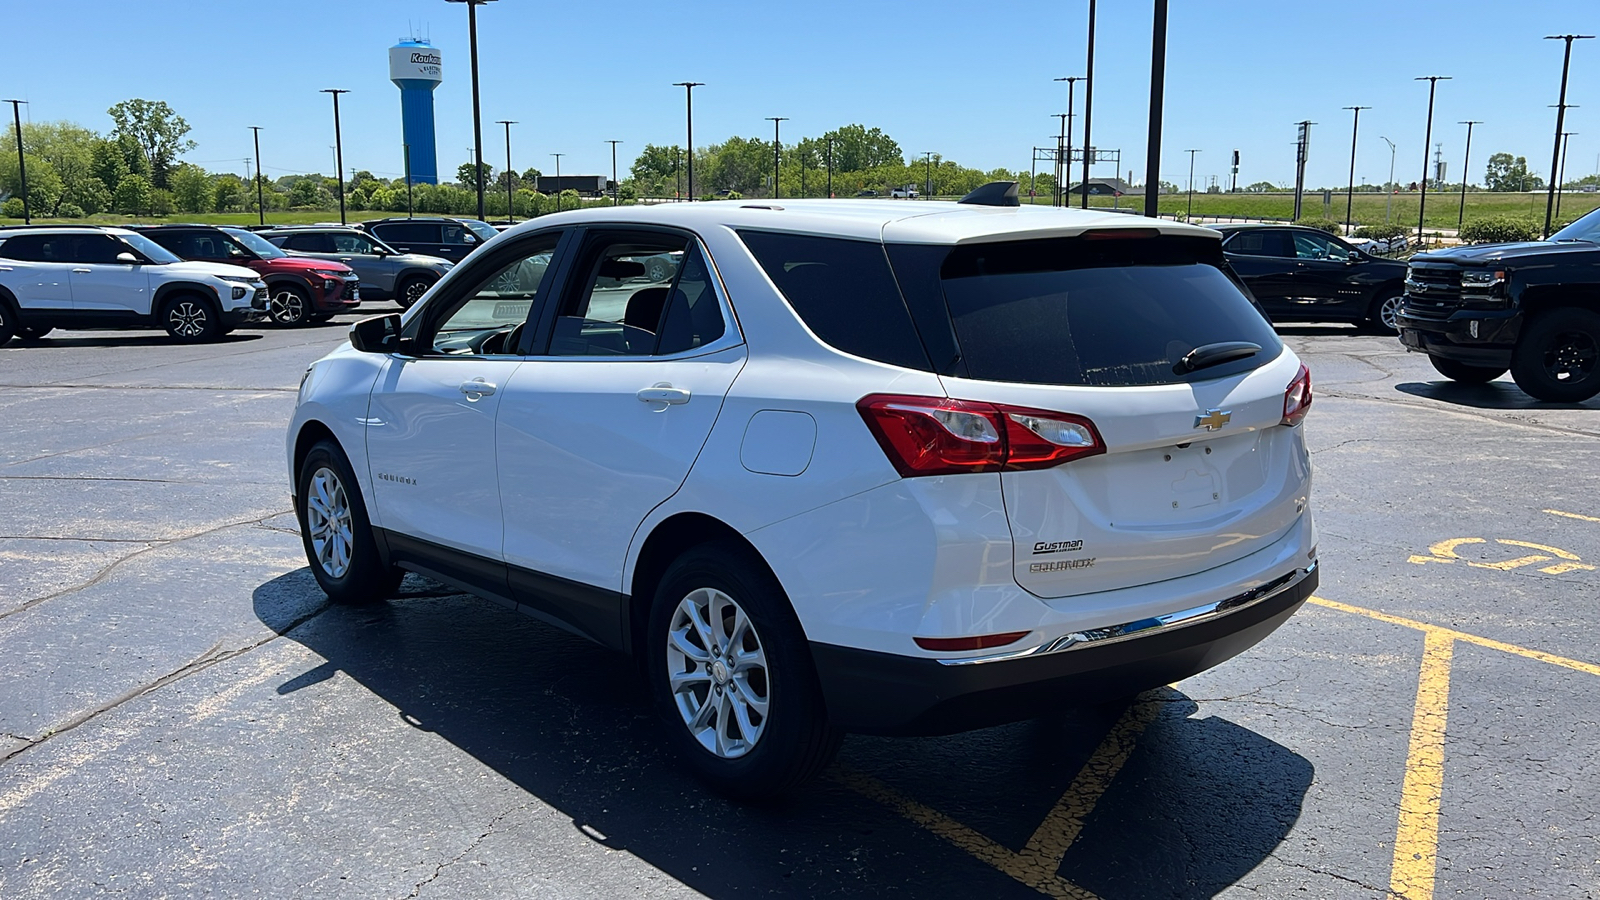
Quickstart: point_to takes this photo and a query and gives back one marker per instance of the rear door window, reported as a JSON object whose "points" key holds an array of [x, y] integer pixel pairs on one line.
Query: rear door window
{"points": [[311, 242], [1261, 243], [399, 233], [1100, 312], [31, 248]]}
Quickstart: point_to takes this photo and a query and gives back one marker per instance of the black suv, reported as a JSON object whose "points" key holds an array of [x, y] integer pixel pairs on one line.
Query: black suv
{"points": [[441, 236], [1532, 308], [1305, 275]]}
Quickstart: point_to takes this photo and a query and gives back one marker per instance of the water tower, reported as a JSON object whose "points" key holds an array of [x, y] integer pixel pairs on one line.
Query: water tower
{"points": [[414, 67]]}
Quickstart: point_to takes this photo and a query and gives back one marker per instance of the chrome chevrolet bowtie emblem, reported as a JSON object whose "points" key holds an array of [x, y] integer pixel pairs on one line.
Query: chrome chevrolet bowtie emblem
{"points": [[1213, 419]]}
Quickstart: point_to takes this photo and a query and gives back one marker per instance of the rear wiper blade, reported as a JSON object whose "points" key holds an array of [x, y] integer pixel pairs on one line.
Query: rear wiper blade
{"points": [[1208, 355]]}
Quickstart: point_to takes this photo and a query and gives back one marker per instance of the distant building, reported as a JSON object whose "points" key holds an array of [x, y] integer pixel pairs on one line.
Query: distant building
{"points": [[1104, 187], [586, 185]]}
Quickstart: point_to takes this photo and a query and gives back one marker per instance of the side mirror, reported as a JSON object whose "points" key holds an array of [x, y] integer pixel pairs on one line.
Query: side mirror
{"points": [[1355, 256], [380, 251], [379, 334], [127, 258]]}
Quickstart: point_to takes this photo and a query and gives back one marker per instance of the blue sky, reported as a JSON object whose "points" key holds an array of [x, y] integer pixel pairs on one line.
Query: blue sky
{"points": [[970, 81]]}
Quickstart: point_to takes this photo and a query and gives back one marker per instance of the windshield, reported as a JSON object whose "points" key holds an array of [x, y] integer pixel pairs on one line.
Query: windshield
{"points": [[255, 243], [483, 230], [151, 250], [1585, 229]]}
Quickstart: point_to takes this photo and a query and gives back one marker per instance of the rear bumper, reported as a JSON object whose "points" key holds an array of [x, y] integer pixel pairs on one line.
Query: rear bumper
{"points": [[1453, 338], [884, 693]]}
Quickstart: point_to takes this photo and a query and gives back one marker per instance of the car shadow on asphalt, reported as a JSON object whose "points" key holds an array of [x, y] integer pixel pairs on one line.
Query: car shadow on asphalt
{"points": [[1198, 803], [153, 339], [1494, 395], [1319, 330]]}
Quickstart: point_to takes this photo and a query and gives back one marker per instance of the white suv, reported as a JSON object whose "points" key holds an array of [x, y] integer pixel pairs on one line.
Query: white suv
{"points": [[85, 276], [857, 467]]}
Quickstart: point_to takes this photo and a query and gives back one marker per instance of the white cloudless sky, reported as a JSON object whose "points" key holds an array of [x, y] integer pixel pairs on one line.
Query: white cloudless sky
{"points": [[967, 80]]}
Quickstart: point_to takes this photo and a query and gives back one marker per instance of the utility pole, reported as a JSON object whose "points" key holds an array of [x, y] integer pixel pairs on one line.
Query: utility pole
{"points": [[1088, 108], [406, 149], [927, 168], [511, 206], [1388, 189], [1350, 193], [1158, 81], [558, 179], [1422, 202], [261, 206], [477, 118], [1302, 153], [1234, 186], [338, 155], [1561, 113], [830, 168], [688, 108], [1061, 164], [1465, 156], [1189, 216], [1064, 163], [614, 185], [775, 151], [22, 164], [1562, 176]]}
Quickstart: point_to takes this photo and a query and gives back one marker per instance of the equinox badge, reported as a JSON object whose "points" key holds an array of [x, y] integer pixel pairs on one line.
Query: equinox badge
{"points": [[1213, 419]]}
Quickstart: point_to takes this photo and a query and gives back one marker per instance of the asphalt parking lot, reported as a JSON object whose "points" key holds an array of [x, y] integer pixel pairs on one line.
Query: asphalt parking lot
{"points": [[181, 712]]}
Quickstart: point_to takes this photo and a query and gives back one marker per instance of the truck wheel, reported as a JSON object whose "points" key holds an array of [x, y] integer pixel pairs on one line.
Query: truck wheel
{"points": [[1464, 373], [1558, 356], [190, 319], [1380, 318], [731, 673]]}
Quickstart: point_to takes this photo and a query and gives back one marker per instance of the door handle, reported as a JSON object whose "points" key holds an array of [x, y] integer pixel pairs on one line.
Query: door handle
{"points": [[476, 388], [346, 258], [664, 393], [83, 271]]}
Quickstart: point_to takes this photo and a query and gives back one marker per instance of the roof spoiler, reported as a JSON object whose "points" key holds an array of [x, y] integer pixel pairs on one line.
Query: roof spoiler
{"points": [[995, 193]]}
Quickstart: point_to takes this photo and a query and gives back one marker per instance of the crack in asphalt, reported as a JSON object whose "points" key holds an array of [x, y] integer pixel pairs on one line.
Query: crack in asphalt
{"points": [[439, 869], [134, 437], [105, 573], [215, 654], [1334, 875]]}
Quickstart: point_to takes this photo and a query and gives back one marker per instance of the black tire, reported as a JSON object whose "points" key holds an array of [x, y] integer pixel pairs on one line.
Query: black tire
{"points": [[411, 290], [1465, 373], [1557, 357], [288, 305], [8, 323], [658, 269], [190, 319], [795, 740], [1380, 315], [363, 577]]}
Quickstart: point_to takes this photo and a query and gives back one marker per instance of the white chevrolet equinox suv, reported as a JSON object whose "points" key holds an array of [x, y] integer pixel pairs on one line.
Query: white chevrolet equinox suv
{"points": [[85, 276], [858, 467]]}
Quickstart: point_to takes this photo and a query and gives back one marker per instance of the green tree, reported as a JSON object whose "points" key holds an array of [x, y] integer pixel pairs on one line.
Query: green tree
{"points": [[133, 195], [464, 177], [107, 163], [44, 185], [856, 147], [159, 133], [1507, 173], [191, 188], [228, 193], [306, 192]]}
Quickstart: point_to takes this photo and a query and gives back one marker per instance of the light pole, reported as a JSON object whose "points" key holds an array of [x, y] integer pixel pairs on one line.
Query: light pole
{"points": [[830, 168], [1422, 201], [261, 206], [927, 168], [677, 177], [1302, 153], [1561, 114], [688, 113], [775, 150], [1065, 168], [338, 152], [1190, 214], [1088, 108], [1061, 142], [1388, 189], [511, 208], [477, 118], [1350, 193], [558, 179], [1566, 138], [22, 165], [613, 171], [1158, 81], [1465, 156]]}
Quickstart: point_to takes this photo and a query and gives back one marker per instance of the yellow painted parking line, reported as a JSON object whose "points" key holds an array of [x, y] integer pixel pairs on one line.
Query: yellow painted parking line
{"points": [[1416, 840], [1040, 859], [1570, 515], [1554, 660]]}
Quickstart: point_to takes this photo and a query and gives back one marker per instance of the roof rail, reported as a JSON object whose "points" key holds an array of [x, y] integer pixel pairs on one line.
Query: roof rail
{"points": [[995, 193]]}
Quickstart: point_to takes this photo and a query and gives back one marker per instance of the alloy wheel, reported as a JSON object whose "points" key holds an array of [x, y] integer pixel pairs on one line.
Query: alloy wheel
{"points": [[717, 669], [1388, 312], [1571, 356], [414, 292], [329, 522], [187, 319], [287, 307]]}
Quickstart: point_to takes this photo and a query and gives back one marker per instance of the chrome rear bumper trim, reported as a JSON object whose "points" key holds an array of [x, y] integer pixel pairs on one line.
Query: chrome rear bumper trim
{"points": [[1111, 634]]}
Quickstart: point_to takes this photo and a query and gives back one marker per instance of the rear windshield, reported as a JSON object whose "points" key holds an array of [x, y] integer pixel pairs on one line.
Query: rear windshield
{"points": [[1085, 311]]}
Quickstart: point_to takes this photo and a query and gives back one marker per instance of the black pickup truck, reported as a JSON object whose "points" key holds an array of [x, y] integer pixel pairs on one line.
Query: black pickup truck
{"points": [[1532, 308]]}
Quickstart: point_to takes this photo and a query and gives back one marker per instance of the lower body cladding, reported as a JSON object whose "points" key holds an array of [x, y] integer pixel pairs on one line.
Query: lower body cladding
{"points": [[1478, 337], [884, 693]]}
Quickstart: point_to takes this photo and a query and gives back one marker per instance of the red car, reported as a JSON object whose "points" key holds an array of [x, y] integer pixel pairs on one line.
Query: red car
{"points": [[300, 290]]}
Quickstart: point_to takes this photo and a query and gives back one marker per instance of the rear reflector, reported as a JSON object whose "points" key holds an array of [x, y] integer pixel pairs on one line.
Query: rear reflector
{"points": [[1297, 398], [941, 436], [976, 642], [1119, 234]]}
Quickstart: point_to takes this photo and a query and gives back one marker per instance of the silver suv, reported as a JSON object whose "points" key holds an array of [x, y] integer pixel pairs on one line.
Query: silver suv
{"points": [[386, 273], [84, 276]]}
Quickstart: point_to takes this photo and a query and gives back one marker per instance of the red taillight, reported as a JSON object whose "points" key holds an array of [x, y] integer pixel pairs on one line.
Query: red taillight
{"points": [[1297, 399], [940, 436], [976, 642]]}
